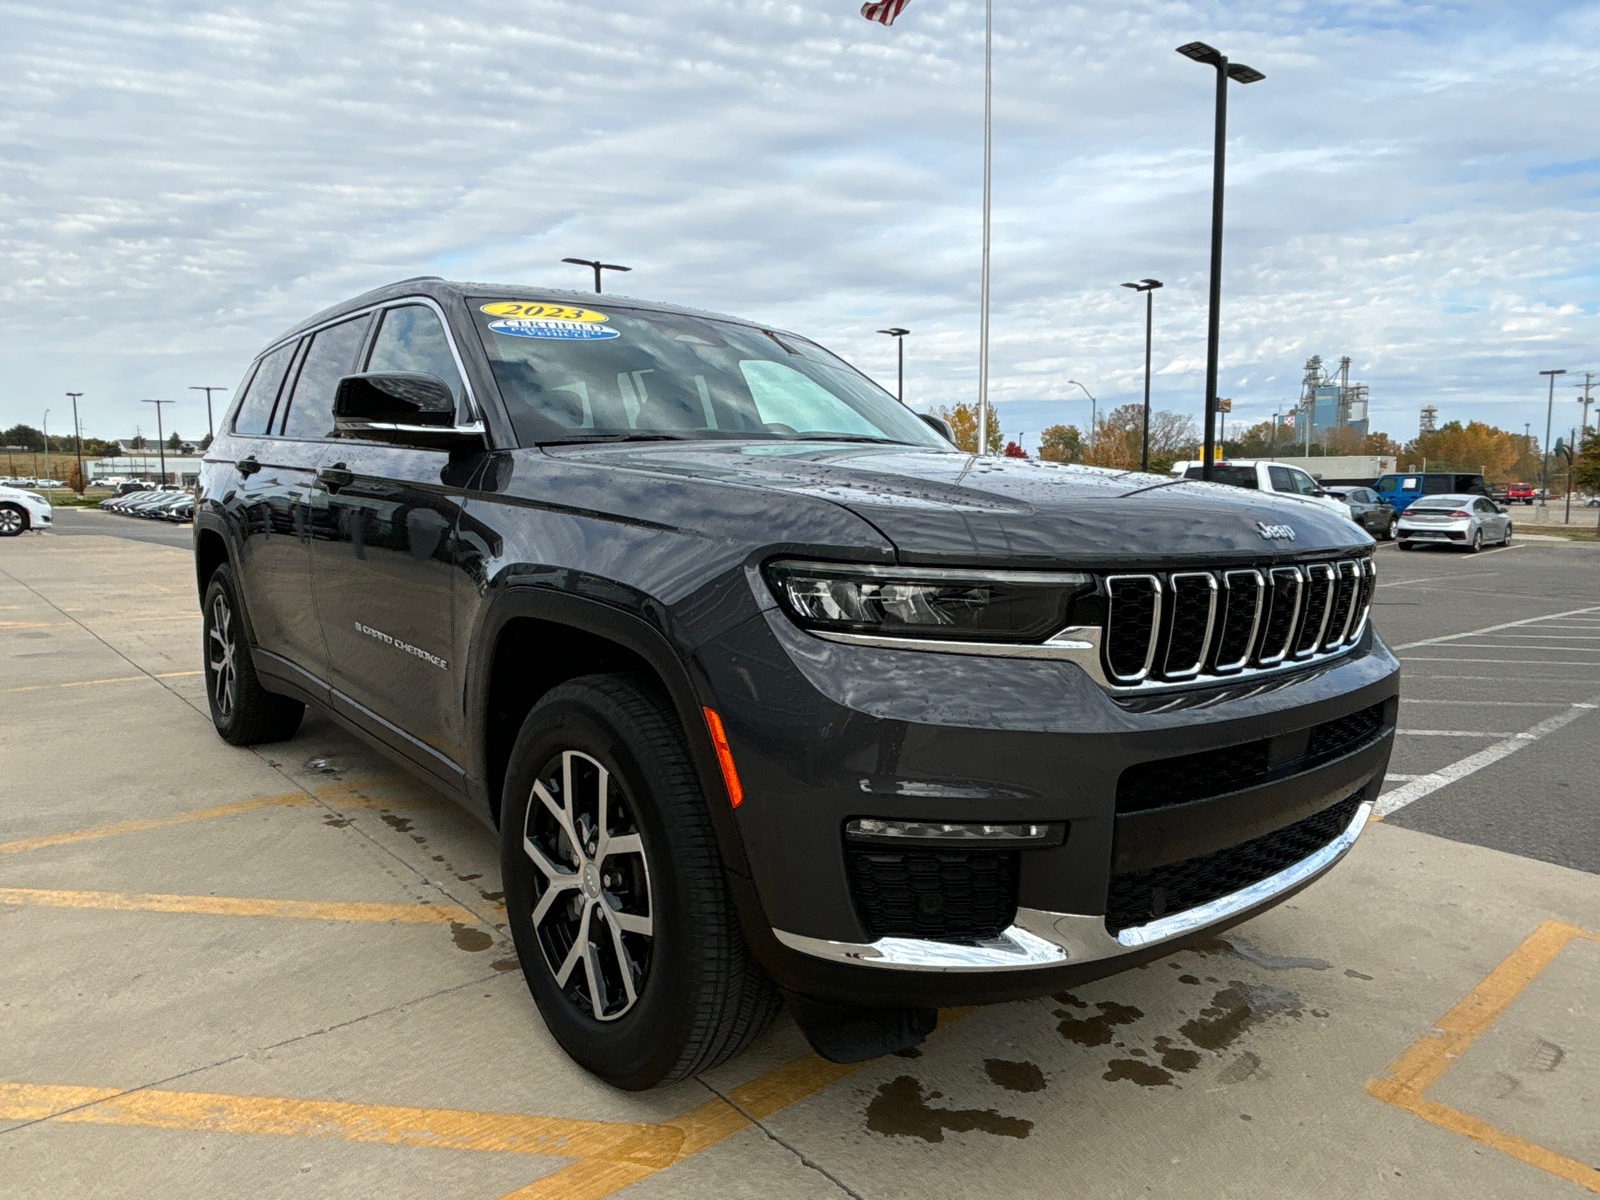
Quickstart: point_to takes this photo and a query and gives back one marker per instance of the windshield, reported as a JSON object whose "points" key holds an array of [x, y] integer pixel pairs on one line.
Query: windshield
{"points": [[578, 374]]}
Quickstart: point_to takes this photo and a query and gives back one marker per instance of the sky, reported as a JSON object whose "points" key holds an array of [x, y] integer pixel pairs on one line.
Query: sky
{"points": [[1414, 185]]}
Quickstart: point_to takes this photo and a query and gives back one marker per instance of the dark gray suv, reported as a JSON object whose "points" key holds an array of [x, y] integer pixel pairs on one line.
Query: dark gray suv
{"points": [[772, 694]]}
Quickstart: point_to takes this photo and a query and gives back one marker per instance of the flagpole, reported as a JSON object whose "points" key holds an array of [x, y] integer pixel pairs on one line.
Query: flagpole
{"points": [[983, 310]]}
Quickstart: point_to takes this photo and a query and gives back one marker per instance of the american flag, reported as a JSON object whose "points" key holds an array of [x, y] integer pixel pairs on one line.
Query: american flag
{"points": [[883, 11]]}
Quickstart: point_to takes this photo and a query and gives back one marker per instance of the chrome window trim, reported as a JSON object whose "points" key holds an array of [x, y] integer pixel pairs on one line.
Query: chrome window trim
{"points": [[1255, 621], [1211, 623], [1294, 617], [1155, 627], [1327, 610], [1038, 938]]}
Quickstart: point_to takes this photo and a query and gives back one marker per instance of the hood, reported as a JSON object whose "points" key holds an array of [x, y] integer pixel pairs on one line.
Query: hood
{"points": [[940, 506]]}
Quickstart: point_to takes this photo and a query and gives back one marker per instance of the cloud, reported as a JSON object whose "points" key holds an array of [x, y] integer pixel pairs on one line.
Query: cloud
{"points": [[1411, 185]]}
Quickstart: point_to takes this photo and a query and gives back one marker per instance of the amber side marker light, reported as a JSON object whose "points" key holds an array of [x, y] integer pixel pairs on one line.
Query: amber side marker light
{"points": [[719, 739]]}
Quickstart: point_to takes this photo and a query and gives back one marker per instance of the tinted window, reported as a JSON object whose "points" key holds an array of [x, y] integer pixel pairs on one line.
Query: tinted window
{"points": [[1244, 477], [1437, 485], [255, 407], [331, 357], [412, 339], [1388, 483], [1282, 480]]}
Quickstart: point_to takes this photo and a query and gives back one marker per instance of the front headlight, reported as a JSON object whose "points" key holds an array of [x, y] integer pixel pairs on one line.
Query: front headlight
{"points": [[923, 602], [36, 498]]}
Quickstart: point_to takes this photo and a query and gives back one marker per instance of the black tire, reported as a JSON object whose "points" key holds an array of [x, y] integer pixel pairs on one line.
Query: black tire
{"points": [[693, 996], [1506, 541], [13, 520], [244, 712], [1391, 529], [1476, 545]]}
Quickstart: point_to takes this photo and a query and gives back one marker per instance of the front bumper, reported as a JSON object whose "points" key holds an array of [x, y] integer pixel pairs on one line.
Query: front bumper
{"points": [[824, 733]]}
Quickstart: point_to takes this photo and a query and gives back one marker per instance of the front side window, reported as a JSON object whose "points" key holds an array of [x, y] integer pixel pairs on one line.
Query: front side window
{"points": [[1282, 480], [1303, 483], [332, 356], [1388, 483], [412, 338], [576, 374], [254, 416]]}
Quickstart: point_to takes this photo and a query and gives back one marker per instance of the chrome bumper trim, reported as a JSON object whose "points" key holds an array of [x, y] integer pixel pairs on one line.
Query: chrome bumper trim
{"points": [[1047, 939]]}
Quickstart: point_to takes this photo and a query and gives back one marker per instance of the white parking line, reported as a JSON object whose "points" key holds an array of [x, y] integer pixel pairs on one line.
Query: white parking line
{"points": [[1485, 703], [1561, 637], [1547, 680], [1527, 662], [1413, 790], [1454, 733], [1436, 578], [1453, 637]]}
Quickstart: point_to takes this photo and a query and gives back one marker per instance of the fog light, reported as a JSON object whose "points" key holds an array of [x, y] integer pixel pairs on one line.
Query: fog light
{"points": [[1021, 836]]}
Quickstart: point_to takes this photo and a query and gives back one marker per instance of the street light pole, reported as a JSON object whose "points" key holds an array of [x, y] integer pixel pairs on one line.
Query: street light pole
{"points": [[1544, 466], [1148, 287], [1202, 53], [77, 435], [983, 304], [211, 430], [899, 336], [161, 445], [1094, 419], [598, 267], [51, 497]]}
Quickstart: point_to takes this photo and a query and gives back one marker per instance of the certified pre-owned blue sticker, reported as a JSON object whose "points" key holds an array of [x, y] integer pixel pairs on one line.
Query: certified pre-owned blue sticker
{"points": [[546, 327]]}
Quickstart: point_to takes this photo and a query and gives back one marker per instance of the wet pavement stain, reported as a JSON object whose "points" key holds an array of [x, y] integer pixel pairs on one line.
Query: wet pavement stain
{"points": [[1349, 974], [1176, 1058], [398, 824], [1273, 962], [1096, 1030], [468, 938], [505, 964], [492, 896], [1188, 979], [1245, 1065], [1014, 1076], [470, 878], [336, 822], [901, 1110], [908, 1052], [1236, 1008], [1143, 1073]]}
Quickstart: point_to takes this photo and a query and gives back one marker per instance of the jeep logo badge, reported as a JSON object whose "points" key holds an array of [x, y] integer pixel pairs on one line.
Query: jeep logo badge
{"points": [[1274, 532]]}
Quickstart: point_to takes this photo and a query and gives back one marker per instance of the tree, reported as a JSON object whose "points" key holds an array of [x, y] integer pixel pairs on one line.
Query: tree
{"points": [[25, 436], [205, 443], [75, 479], [1014, 450], [1500, 455], [963, 420], [1119, 438], [137, 443], [174, 442], [1061, 443], [1586, 470]]}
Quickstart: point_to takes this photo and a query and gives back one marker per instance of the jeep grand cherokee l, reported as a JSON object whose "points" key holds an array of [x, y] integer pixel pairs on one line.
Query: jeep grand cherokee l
{"points": [[774, 695]]}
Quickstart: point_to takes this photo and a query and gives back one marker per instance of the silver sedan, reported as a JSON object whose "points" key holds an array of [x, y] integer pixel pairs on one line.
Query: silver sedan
{"points": [[1454, 520]]}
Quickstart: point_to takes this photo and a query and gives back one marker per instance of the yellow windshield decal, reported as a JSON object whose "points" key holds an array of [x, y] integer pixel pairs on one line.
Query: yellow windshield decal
{"points": [[538, 308]]}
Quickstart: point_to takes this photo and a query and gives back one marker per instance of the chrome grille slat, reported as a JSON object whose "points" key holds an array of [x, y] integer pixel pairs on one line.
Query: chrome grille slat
{"points": [[1346, 592], [1277, 640], [1320, 580], [1189, 628], [1133, 614], [1241, 618]]}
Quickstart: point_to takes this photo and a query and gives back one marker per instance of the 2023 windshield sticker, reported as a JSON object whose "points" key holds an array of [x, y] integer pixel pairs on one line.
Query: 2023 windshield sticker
{"points": [[537, 309]]}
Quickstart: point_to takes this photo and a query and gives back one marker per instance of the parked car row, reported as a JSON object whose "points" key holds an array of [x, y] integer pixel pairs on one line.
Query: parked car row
{"points": [[169, 503], [27, 481]]}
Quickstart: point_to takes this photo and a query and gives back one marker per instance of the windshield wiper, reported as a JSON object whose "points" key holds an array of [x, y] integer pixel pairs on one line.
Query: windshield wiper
{"points": [[848, 437], [615, 437]]}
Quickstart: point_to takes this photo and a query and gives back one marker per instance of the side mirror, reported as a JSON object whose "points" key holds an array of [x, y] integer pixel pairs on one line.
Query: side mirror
{"points": [[1318, 492], [404, 408], [1501, 508], [941, 426]]}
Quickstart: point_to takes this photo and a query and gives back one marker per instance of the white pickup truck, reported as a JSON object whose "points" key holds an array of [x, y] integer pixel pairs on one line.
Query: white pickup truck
{"points": [[1262, 474]]}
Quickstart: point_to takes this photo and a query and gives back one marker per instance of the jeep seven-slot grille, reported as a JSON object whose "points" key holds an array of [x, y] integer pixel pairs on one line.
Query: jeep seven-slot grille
{"points": [[936, 894], [1188, 777], [1185, 625], [1139, 897]]}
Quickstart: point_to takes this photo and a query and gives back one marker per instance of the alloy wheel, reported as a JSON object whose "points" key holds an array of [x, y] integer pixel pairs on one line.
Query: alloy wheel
{"points": [[1394, 527], [593, 911], [10, 521], [221, 651]]}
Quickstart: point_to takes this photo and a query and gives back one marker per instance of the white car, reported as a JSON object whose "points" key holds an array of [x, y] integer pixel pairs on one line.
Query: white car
{"points": [[1455, 520], [1262, 474], [21, 511]]}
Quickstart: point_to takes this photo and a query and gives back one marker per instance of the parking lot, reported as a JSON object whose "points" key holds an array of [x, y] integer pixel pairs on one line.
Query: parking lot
{"points": [[282, 972]]}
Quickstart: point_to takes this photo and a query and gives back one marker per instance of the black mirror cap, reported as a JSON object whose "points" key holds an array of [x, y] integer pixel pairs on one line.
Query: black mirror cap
{"points": [[397, 397], [941, 426]]}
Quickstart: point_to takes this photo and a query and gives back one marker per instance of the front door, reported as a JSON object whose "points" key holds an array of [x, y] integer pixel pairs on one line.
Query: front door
{"points": [[383, 561]]}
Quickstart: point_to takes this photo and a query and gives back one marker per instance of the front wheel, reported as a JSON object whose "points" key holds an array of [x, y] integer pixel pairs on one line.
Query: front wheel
{"points": [[244, 712], [1391, 529], [13, 520], [615, 891]]}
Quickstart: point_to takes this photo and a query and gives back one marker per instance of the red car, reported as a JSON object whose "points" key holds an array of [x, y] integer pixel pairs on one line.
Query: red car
{"points": [[1519, 493]]}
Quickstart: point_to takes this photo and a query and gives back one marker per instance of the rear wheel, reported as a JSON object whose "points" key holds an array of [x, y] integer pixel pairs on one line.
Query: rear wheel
{"points": [[244, 712], [615, 891], [13, 520], [1477, 542], [1506, 541]]}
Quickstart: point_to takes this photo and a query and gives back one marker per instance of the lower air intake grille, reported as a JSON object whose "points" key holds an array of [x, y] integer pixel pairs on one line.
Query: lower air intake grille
{"points": [[1139, 897], [934, 894]]}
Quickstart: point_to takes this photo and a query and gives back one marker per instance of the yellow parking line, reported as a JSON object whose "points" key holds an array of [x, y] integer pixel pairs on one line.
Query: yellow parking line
{"points": [[1421, 1064], [41, 687], [137, 825], [648, 1146], [238, 906]]}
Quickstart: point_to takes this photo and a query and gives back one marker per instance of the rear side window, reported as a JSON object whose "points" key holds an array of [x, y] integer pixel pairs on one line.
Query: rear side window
{"points": [[255, 406], [332, 356], [1244, 477], [411, 338], [1437, 485]]}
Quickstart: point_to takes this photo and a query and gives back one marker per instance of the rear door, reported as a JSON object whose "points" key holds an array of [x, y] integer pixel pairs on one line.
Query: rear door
{"points": [[266, 509], [384, 559]]}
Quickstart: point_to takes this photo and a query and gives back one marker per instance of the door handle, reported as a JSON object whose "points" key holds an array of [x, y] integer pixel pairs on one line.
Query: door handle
{"points": [[247, 466], [335, 477]]}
